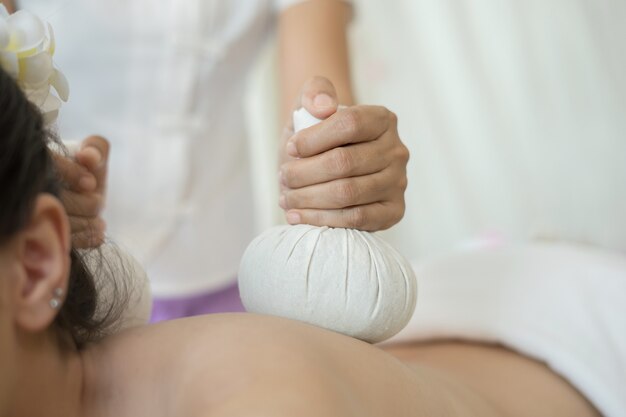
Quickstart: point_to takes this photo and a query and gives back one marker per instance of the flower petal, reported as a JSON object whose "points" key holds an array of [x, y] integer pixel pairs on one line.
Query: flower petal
{"points": [[27, 31], [3, 11], [51, 41], [60, 84], [9, 62], [36, 94], [5, 35], [36, 69], [50, 109]]}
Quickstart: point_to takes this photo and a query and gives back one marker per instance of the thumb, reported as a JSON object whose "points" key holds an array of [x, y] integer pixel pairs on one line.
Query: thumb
{"points": [[319, 97]]}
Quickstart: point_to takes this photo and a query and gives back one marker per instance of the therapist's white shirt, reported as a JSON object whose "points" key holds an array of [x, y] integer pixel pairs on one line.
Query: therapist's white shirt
{"points": [[164, 82]]}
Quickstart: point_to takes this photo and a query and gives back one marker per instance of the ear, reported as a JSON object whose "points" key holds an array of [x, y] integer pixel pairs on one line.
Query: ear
{"points": [[44, 264]]}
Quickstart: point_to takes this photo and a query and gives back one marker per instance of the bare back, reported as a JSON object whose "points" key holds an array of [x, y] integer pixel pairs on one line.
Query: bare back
{"points": [[232, 364]]}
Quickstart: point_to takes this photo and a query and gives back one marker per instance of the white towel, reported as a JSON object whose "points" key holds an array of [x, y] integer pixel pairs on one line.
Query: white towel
{"points": [[562, 304]]}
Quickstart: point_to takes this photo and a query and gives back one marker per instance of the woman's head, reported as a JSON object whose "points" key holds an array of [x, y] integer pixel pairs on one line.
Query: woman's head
{"points": [[34, 234], [46, 291], [34, 237]]}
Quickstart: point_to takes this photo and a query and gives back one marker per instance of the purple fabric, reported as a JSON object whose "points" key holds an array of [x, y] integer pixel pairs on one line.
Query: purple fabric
{"points": [[223, 301]]}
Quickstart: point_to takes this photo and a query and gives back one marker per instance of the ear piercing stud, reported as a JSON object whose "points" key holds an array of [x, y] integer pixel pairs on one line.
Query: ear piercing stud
{"points": [[55, 302]]}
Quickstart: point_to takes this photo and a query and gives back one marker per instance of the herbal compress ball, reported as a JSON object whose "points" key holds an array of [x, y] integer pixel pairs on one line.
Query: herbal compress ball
{"points": [[344, 280]]}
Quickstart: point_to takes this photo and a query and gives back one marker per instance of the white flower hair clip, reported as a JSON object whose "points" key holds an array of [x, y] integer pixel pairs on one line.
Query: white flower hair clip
{"points": [[26, 49]]}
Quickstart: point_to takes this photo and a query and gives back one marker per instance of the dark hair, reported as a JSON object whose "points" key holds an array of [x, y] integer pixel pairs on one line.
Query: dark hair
{"points": [[27, 170]]}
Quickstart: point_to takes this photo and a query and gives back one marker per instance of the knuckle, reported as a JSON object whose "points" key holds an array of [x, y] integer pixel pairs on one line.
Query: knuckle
{"points": [[70, 203], [95, 205], [349, 121], [313, 217], [403, 183], [393, 118], [357, 218], [319, 79], [341, 162], [399, 213], [394, 215], [98, 227], [395, 218], [403, 154], [76, 226], [346, 193]]}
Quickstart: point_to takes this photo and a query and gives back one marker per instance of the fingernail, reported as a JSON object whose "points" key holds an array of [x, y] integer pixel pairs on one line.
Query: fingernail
{"points": [[97, 156], [323, 101], [87, 183], [293, 217], [281, 177], [292, 150], [282, 202]]}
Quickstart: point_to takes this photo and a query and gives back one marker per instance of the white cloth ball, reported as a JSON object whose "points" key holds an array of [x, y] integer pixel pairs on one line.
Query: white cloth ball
{"points": [[344, 280]]}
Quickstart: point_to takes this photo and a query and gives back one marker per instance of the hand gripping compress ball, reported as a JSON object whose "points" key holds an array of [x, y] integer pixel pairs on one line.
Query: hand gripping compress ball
{"points": [[344, 280]]}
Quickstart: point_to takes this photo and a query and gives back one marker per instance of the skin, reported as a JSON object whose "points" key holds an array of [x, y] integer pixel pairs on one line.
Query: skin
{"points": [[8, 349], [10, 5], [347, 171], [237, 364], [350, 170], [84, 194]]}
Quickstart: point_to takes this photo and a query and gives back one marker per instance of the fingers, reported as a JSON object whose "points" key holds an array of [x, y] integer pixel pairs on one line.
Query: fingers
{"points": [[349, 169], [351, 125], [88, 228], [87, 232], [370, 217], [82, 204], [342, 162], [319, 97], [93, 155], [75, 176], [83, 196], [346, 192]]}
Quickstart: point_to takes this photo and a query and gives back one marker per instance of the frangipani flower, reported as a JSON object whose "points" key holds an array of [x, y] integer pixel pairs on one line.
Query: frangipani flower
{"points": [[26, 50]]}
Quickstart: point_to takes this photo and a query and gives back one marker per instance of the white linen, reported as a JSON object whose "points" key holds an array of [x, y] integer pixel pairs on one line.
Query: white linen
{"points": [[559, 303]]}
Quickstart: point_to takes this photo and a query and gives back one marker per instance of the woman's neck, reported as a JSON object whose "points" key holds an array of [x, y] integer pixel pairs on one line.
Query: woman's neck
{"points": [[50, 380]]}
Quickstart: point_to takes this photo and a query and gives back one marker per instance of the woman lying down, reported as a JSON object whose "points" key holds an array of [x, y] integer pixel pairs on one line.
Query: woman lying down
{"points": [[54, 362]]}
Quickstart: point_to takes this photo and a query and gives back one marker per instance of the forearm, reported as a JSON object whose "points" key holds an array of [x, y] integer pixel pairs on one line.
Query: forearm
{"points": [[323, 181], [10, 5], [312, 42]]}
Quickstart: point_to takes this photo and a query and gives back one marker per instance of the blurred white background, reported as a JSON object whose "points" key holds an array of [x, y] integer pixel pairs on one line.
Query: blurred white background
{"points": [[514, 113]]}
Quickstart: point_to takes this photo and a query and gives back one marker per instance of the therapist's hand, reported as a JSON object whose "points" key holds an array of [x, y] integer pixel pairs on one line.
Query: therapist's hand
{"points": [[347, 171], [84, 192]]}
